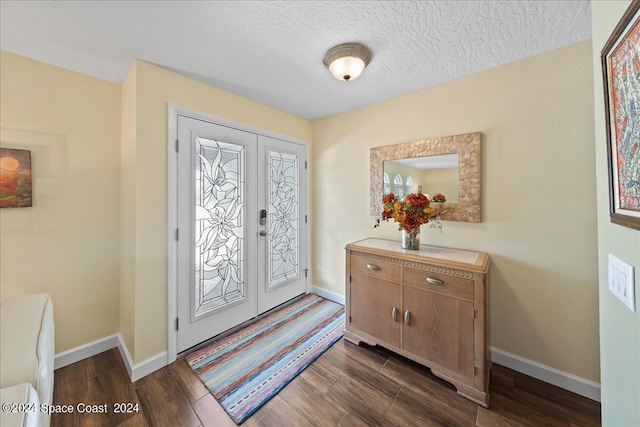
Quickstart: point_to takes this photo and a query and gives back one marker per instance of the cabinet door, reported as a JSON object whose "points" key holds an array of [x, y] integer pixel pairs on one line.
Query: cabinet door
{"points": [[371, 308], [440, 329]]}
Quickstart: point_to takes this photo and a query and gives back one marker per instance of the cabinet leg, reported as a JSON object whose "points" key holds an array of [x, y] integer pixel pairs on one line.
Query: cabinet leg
{"points": [[473, 394], [356, 339]]}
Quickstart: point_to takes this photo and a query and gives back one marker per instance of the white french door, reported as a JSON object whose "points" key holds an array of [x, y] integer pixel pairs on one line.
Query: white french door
{"points": [[241, 246]]}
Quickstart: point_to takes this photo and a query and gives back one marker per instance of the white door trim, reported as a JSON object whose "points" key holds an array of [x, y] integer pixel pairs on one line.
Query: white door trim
{"points": [[173, 111]]}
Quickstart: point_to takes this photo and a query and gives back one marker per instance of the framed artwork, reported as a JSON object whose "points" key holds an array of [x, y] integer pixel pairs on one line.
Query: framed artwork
{"points": [[621, 77], [15, 178]]}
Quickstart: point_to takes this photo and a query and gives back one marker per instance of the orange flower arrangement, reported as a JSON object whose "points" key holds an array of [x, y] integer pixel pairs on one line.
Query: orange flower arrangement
{"points": [[412, 211]]}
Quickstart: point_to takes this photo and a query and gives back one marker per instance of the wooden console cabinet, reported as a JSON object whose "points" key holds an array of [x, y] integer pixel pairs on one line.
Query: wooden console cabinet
{"points": [[428, 305]]}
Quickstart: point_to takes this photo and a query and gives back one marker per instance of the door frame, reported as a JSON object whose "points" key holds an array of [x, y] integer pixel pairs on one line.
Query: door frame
{"points": [[173, 111]]}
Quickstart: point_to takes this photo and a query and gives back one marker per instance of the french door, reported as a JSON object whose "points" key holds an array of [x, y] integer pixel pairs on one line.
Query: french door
{"points": [[241, 227]]}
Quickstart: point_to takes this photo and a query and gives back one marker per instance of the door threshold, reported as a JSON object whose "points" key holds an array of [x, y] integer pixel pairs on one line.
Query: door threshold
{"points": [[238, 327]]}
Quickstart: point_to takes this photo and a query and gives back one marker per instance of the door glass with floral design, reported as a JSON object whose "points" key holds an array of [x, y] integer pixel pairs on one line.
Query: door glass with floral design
{"points": [[283, 218], [219, 224]]}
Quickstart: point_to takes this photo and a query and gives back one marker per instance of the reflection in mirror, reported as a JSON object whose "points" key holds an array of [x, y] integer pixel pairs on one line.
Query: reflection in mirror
{"points": [[462, 186], [429, 175]]}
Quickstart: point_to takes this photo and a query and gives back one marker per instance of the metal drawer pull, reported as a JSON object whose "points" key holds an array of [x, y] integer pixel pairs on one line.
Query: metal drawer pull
{"points": [[394, 314], [435, 281], [373, 267], [407, 317]]}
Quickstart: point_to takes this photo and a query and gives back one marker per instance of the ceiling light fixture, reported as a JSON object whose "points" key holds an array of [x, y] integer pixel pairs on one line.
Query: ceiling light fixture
{"points": [[346, 61]]}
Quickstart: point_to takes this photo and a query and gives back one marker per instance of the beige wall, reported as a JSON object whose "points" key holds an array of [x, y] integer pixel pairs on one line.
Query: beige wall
{"points": [[538, 216], [619, 327], [66, 244], [145, 253]]}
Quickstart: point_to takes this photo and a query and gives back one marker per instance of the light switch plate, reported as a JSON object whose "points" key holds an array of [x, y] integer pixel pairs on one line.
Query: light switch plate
{"points": [[622, 281]]}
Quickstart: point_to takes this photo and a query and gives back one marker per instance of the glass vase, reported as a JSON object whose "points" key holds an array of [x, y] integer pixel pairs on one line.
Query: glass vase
{"points": [[411, 239]]}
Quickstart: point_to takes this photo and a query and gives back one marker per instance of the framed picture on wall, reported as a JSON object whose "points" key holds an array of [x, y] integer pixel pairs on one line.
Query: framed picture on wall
{"points": [[15, 178], [621, 77]]}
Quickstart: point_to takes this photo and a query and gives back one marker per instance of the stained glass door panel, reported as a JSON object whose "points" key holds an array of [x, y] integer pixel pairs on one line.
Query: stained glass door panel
{"points": [[283, 246], [219, 225]]}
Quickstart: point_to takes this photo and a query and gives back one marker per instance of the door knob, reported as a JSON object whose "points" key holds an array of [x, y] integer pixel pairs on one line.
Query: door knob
{"points": [[263, 233]]}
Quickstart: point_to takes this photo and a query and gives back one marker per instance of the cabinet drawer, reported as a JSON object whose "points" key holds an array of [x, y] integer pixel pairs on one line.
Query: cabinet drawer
{"points": [[372, 267], [449, 285]]}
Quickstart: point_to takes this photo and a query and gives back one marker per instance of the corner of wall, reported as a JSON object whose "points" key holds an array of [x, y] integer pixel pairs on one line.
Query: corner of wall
{"points": [[127, 207]]}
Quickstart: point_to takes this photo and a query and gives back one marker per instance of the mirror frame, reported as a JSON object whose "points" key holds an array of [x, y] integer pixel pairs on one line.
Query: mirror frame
{"points": [[467, 146]]}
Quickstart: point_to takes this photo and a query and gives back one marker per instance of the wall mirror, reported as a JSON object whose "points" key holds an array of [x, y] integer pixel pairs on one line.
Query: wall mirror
{"points": [[449, 165], [428, 174]]}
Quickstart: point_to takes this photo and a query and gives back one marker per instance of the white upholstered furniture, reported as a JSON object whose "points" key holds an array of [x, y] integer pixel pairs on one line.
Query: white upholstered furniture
{"points": [[27, 339]]}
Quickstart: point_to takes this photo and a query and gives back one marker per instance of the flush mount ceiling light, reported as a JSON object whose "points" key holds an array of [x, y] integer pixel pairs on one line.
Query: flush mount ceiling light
{"points": [[346, 61]]}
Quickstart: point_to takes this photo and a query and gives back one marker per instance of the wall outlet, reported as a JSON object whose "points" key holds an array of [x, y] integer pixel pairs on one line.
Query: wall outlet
{"points": [[622, 281]]}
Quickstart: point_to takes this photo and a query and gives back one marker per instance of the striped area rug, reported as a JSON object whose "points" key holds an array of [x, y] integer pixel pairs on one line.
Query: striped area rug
{"points": [[246, 369]]}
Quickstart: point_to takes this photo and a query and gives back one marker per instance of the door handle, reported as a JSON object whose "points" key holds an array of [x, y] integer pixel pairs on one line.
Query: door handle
{"points": [[394, 314], [263, 217], [407, 317], [263, 233]]}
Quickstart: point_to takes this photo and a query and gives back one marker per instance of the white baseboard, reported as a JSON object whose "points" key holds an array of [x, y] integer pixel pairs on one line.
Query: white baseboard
{"points": [[330, 295], [565, 380], [85, 351], [144, 368], [135, 371]]}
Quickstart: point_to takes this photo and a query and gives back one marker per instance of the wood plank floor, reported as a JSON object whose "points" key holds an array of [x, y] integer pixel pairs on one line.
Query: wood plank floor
{"points": [[347, 386]]}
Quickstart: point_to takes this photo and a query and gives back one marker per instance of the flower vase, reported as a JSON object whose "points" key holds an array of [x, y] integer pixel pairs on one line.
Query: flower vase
{"points": [[411, 238]]}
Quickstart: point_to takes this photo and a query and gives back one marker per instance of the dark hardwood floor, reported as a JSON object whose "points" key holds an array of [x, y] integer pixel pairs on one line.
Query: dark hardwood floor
{"points": [[346, 386]]}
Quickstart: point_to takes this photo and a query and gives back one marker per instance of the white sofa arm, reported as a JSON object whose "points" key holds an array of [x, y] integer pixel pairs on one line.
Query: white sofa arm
{"points": [[27, 335], [46, 355], [23, 408]]}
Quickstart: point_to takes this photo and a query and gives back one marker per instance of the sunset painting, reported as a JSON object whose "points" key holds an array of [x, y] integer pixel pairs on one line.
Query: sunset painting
{"points": [[15, 178]]}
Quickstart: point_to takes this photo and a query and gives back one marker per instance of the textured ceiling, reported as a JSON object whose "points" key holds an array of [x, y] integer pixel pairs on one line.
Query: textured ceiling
{"points": [[271, 51]]}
